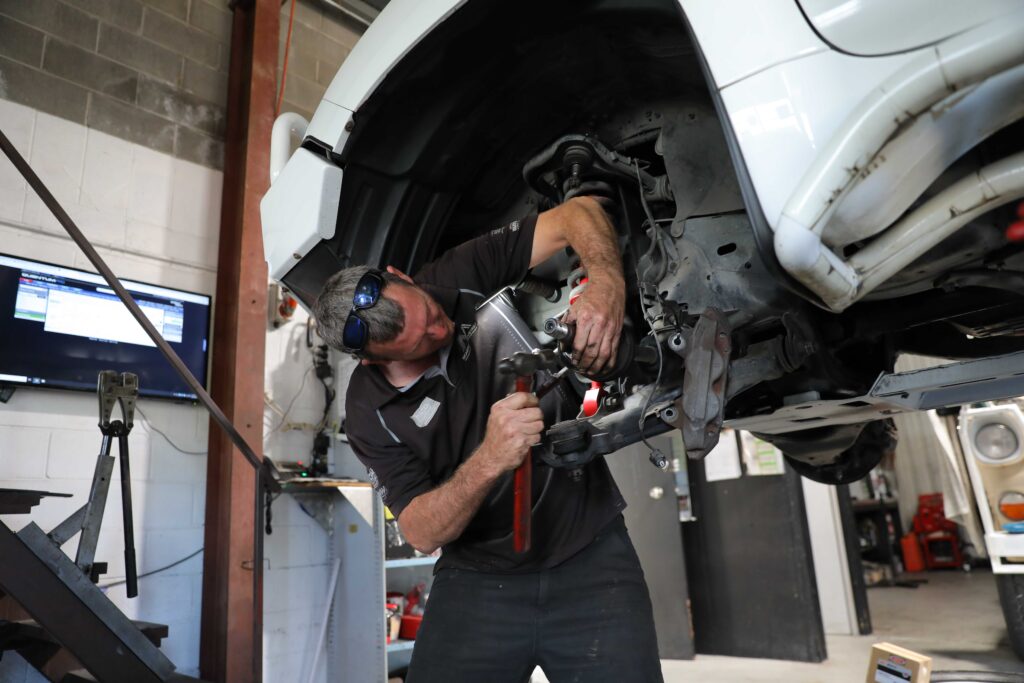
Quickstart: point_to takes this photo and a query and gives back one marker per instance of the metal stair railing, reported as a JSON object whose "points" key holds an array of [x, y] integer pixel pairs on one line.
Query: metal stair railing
{"points": [[55, 592]]}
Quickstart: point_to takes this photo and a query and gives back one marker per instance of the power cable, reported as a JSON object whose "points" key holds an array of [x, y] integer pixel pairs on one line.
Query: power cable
{"points": [[155, 571], [650, 322], [151, 427], [288, 410], [284, 67]]}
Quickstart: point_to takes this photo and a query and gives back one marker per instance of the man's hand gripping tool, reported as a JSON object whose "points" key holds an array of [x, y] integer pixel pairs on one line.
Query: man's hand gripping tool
{"points": [[523, 365]]}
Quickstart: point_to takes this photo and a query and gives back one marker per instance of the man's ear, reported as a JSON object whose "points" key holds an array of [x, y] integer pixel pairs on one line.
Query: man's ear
{"points": [[396, 271], [369, 361]]}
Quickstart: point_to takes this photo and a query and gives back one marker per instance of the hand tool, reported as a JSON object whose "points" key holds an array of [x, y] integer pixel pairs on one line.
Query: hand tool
{"points": [[111, 388], [556, 377], [523, 365]]}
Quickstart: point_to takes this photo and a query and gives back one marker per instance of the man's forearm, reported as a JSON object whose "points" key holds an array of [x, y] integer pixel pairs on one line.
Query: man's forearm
{"points": [[591, 235], [439, 516]]}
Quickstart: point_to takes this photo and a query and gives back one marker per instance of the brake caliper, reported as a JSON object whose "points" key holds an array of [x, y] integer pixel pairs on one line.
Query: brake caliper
{"points": [[704, 381]]}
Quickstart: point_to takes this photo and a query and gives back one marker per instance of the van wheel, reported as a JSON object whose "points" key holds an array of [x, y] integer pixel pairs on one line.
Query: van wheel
{"points": [[1011, 597]]}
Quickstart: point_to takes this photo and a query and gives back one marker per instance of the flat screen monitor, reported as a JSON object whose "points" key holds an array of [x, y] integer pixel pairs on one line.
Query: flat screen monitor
{"points": [[59, 327]]}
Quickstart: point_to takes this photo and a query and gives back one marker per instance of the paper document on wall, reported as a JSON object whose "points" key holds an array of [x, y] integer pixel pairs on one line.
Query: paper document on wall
{"points": [[760, 457], [723, 462]]}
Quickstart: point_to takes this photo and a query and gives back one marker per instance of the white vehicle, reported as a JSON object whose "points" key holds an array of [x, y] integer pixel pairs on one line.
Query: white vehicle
{"points": [[992, 437], [807, 188]]}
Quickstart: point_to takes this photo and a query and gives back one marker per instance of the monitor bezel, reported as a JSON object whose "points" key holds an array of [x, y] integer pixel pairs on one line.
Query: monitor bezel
{"points": [[143, 393]]}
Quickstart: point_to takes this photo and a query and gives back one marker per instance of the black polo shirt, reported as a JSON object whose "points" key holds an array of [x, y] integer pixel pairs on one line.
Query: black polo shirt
{"points": [[412, 439]]}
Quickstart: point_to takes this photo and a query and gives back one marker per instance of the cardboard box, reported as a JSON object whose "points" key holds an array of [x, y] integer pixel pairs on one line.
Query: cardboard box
{"points": [[893, 664]]}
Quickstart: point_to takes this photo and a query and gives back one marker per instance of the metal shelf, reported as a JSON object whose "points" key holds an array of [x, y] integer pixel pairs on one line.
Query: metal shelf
{"points": [[400, 646], [410, 562]]}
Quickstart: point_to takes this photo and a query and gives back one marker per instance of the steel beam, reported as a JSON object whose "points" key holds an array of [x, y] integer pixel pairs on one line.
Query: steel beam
{"points": [[232, 623]]}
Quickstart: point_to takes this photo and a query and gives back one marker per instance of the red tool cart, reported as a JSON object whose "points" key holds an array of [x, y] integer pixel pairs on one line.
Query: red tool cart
{"points": [[938, 536]]}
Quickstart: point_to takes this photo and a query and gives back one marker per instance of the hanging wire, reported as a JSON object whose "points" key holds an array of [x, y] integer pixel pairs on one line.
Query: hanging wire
{"points": [[155, 571], [148, 424], [288, 410], [650, 321], [284, 67]]}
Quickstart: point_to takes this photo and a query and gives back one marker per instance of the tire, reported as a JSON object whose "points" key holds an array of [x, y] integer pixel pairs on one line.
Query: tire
{"points": [[1011, 597], [974, 677]]}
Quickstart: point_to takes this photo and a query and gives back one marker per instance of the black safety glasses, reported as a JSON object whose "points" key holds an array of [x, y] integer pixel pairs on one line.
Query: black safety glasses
{"points": [[366, 295]]}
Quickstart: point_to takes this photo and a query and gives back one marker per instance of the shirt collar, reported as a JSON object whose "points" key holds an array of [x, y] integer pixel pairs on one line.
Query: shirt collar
{"points": [[433, 371], [381, 390]]}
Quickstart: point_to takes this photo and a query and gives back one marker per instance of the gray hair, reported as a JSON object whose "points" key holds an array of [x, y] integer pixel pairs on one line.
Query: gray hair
{"points": [[385, 319]]}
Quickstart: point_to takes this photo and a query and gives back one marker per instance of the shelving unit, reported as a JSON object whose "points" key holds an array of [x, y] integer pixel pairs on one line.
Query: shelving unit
{"points": [[402, 575], [353, 516], [410, 562], [400, 646]]}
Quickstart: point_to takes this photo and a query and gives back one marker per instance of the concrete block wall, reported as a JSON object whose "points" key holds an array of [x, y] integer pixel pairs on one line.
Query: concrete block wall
{"points": [[321, 39], [50, 443], [154, 218], [151, 72], [119, 106]]}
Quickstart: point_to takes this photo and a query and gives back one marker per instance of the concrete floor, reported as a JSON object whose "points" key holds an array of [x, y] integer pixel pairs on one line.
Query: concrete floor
{"points": [[955, 618]]}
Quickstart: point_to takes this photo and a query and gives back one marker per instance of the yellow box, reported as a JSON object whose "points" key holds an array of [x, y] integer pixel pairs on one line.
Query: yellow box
{"points": [[894, 664]]}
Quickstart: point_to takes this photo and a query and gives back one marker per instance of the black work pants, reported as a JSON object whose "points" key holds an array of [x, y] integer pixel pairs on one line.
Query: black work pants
{"points": [[587, 620]]}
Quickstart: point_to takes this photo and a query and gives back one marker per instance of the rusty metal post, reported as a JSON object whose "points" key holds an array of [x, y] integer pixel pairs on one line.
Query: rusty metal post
{"points": [[232, 611]]}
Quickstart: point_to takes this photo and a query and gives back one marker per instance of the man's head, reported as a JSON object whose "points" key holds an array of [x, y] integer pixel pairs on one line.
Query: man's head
{"points": [[404, 324]]}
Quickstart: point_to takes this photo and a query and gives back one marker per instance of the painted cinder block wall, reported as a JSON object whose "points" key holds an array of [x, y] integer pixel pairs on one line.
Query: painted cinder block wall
{"points": [[119, 105]]}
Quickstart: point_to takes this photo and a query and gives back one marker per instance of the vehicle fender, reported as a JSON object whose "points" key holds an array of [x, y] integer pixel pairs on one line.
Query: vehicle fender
{"points": [[774, 32], [879, 27], [398, 28]]}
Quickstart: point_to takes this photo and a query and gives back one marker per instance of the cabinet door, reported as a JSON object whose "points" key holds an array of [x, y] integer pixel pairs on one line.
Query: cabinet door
{"points": [[751, 570], [652, 518]]}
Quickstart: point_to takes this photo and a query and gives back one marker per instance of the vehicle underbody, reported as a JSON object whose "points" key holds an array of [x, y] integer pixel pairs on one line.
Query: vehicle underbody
{"points": [[611, 98]]}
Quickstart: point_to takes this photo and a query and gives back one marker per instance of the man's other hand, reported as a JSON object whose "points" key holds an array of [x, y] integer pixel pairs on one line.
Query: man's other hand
{"points": [[514, 425], [598, 314], [583, 224]]}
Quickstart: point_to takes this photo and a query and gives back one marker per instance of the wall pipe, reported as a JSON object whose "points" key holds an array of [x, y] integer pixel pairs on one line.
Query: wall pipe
{"points": [[289, 128]]}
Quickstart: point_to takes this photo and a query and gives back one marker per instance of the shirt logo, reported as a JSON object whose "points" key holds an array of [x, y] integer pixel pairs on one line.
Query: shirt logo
{"points": [[375, 483], [425, 413], [466, 332], [511, 227]]}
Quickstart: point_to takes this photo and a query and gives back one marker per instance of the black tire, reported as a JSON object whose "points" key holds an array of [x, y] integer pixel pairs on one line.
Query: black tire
{"points": [[1011, 597], [975, 677]]}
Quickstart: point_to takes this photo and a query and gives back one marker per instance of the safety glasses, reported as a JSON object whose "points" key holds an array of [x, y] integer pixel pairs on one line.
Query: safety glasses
{"points": [[366, 295]]}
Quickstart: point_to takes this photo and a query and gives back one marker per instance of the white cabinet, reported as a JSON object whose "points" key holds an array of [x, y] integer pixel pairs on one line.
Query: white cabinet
{"points": [[353, 516]]}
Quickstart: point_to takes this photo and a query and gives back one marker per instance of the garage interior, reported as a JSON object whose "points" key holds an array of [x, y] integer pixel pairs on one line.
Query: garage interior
{"points": [[244, 542]]}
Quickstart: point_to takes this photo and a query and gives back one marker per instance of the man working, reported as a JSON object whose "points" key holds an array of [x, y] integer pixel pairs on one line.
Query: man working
{"points": [[440, 443]]}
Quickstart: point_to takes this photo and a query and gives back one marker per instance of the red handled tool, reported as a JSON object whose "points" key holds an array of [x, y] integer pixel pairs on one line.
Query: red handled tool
{"points": [[523, 365], [522, 503]]}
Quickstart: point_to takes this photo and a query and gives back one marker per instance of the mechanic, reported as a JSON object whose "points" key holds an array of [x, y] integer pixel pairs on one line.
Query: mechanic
{"points": [[440, 441]]}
